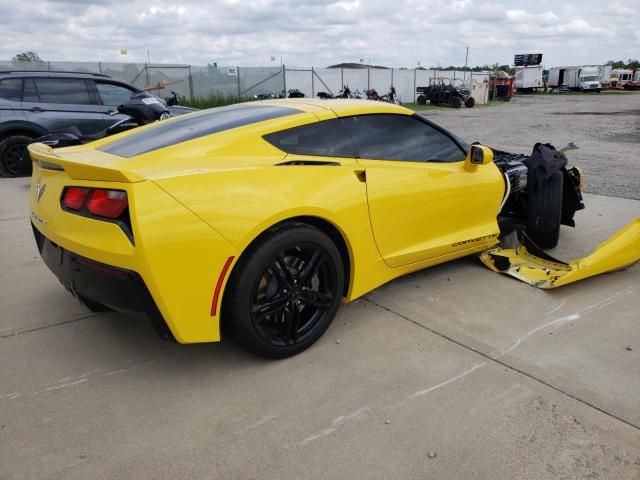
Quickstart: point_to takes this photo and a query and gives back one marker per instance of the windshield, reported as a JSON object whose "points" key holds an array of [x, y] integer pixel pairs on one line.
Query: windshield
{"points": [[592, 78]]}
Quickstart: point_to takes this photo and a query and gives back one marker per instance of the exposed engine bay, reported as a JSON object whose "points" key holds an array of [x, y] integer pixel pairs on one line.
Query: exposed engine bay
{"points": [[529, 185], [541, 194]]}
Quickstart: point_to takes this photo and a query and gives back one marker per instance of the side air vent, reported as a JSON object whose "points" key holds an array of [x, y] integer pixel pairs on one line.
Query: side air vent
{"points": [[317, 163]]}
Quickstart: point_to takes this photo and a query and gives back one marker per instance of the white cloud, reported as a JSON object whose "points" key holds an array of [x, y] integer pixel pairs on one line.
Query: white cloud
{"points": [[320, 32]]}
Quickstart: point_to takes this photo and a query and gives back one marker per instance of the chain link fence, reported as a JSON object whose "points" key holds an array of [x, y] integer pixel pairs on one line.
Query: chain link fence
{"points": [[193, 82]]}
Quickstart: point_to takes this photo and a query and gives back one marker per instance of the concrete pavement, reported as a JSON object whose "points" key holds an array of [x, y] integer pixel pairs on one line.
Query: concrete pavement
{"points": [[452, 372]]}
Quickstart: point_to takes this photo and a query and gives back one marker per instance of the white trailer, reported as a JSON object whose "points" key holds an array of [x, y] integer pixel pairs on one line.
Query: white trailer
{"points": [[556, 75], [529, 78]]}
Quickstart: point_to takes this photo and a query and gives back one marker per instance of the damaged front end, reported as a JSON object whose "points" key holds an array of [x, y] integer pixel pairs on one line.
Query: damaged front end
{"points": [[541, 194]]}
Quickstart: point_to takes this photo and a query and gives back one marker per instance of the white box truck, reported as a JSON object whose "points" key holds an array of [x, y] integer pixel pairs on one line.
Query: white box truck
{"points": [[589, 79], [586, 79], [529, 78]]}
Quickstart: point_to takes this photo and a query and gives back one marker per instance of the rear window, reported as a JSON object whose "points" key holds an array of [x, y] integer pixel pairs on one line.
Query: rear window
{"points": [[194, 126], [11, 89]]}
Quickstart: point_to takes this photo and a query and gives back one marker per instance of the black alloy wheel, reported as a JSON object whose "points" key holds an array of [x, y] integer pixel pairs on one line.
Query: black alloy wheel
{"points": [[284, 294], [12, 150], [293, 295]]}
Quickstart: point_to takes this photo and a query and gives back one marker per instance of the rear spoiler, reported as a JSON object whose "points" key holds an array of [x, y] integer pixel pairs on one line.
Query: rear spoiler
{"points": [[46, 159]]}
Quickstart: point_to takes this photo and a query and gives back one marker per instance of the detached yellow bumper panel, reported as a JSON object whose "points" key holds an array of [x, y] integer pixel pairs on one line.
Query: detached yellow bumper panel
{"points": [[620, 251]]}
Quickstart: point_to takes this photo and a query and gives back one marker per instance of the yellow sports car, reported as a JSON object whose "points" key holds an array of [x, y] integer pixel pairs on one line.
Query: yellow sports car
{"points": [[258, 219]]}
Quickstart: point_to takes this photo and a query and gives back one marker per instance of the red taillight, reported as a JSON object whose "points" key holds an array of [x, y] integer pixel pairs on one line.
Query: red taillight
{"points": [[107, 203], [74, 197]]}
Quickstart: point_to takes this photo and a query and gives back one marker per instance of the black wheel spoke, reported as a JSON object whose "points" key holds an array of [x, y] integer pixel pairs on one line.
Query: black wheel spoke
{"points": [[320, 300], [311, 267], [282, 272], [292, 322], [269, 307]]}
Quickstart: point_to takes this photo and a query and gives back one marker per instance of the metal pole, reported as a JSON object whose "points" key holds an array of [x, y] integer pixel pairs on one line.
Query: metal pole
{"points": [[466, 57], [495, 82], [238, 74], [342, 77], [190, 84], [368, 78], [284, 79], [391, 77], [415, 72], [146, 73], [100, 67], [313, 93]]}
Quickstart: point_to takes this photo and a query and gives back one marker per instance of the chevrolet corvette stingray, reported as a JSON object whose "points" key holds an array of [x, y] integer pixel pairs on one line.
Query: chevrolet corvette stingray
{"points": [[258, 219]]}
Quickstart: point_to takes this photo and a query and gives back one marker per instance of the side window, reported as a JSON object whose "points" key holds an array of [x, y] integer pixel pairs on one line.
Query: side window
{"points": [[404, 138], [11, 89], [63, 90], [113, 95], [329, 138]]}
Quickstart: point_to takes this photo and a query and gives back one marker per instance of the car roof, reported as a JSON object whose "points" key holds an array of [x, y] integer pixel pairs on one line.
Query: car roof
{"points": [[47, 73], [340, 107]]}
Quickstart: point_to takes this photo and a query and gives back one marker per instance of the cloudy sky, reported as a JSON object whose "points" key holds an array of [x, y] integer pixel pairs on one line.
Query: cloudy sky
{"points": [[322, 32]]}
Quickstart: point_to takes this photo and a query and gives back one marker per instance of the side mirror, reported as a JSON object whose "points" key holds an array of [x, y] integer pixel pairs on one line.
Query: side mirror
{"points": [[477, 155]]}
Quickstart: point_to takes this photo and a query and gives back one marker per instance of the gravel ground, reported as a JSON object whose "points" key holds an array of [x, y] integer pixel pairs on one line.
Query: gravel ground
{"points": [[605, 127]]}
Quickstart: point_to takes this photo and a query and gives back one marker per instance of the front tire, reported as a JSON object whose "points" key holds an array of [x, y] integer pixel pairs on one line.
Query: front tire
{"points": [[284, 292], [545, 212]]}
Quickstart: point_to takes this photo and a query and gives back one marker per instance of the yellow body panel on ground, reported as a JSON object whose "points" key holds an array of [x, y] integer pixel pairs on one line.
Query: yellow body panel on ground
{"points": [[620, 251]]}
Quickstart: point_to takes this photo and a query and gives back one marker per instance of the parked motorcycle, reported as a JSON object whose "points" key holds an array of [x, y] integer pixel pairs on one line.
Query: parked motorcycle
{"points": [[173, 99], [391, 96], [295, 93], [344, 93], [141, 109], [372, 94]]}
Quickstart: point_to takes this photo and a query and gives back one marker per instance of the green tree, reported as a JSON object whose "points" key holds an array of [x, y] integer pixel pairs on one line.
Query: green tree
{"points": [[633, 64], [616, 63], [25, 57]]}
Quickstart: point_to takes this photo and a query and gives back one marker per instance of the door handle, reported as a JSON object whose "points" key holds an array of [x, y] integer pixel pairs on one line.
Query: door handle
{"points": [[37, 109]]}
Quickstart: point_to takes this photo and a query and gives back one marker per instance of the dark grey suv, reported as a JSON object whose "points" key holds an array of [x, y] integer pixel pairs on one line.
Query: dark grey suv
{"points": [[33, 104]]}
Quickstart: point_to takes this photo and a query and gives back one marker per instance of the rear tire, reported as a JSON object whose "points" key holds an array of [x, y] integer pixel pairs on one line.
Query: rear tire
{"points": [[284, 292], [12, 150], [422, 100], [455, 102], [545, 212], [470, 102]]}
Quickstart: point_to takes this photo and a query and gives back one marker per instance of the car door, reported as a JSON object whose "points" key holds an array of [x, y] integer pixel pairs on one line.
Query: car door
{"points": [[423, 203], [58, 103]]}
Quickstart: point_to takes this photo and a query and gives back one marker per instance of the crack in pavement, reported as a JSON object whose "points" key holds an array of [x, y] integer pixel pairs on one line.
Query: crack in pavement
{"points": [[15, 333], [503, 363]]}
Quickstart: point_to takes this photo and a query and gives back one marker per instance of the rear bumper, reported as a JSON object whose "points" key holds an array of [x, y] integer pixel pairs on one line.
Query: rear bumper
{"points": [[117, 288]]}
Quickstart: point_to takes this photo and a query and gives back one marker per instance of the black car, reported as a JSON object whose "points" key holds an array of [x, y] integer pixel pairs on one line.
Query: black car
{"points": [[33, 104]]}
